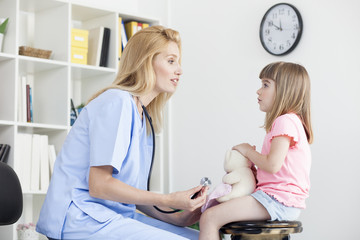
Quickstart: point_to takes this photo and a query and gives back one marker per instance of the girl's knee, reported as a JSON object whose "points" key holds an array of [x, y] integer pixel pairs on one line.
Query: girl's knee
{"points": [[207, 217]]}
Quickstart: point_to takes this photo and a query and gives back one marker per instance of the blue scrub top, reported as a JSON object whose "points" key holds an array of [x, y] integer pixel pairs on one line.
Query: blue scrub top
{"points": [[109, 131]]}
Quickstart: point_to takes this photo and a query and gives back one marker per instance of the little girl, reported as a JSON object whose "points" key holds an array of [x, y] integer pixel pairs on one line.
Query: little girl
{"points": [[283, 166]]}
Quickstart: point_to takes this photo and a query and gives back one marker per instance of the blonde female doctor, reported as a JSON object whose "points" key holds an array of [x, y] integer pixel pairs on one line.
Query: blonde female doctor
{"points": [[101, 173]]}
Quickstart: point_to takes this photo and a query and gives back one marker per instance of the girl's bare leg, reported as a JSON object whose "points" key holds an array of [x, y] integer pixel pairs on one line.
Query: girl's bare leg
{"points": [[238, 209]]}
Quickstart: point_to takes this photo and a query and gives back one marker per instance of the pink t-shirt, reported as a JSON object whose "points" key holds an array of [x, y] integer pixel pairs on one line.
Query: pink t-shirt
{"points": [[291, 184]]}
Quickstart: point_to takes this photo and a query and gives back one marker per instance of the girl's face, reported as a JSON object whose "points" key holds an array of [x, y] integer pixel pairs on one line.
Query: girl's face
{"points": [[266, 94], [167, 69]]}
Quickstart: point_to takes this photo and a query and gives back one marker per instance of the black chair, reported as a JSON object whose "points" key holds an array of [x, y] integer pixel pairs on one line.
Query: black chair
{"points": [[262, 230], [11, 199]]}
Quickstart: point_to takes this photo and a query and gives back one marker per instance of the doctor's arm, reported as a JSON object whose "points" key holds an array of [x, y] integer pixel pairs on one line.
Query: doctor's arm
{"points": [[103, 185]]}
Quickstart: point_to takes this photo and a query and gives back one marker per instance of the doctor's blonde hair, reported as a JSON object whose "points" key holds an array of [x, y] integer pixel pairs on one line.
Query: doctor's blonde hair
{"points": [[136, 74], [292, 84]]}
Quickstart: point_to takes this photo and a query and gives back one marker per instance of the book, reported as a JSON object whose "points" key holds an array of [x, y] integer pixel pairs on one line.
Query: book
{"points": [[4, 153], [145, 25], [73, 114], [52, 158], [124, 38], [22, 99], [96, 36], [22, 159], [28, 114], [139, 26], [73, 107], [131, 28], [35, 163], [31, 105], [1, 145], [44, 163], [2, 150], [105, 48], [119, 37]]}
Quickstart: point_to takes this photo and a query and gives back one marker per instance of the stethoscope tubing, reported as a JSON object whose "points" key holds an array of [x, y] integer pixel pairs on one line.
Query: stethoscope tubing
{"points": [[152, 160]]}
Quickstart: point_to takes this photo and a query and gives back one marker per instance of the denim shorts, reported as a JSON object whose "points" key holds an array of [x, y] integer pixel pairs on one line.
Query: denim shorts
{"points": [[276, 210]]}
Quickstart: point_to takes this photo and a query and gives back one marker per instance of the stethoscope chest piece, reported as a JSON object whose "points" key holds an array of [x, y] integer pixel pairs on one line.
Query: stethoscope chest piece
{"points": [[205, 181]]}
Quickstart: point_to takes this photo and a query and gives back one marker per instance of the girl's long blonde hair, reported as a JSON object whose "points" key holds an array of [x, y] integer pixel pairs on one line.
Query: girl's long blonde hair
{"points": [[136, 74], [292, 93]]}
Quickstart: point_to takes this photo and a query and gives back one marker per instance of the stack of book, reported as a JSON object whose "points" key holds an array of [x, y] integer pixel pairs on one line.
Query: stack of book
{"points": [[133, 26], [127, 30], [99, 40], [79, 45], [34, 161], [4, 152]]}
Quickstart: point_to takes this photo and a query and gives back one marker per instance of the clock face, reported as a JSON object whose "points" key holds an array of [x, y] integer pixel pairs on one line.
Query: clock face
{"points": [[280, 29]]}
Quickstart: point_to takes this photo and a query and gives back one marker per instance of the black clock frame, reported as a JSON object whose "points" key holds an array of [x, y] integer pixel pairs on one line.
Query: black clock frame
{"points": [[299, 32]]}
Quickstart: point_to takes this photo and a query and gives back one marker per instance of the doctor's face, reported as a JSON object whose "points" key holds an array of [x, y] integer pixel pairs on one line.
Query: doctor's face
{"points": [[167, 69], [266, 94]]}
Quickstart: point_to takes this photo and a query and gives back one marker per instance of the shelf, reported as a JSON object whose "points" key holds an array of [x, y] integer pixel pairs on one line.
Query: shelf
{"points": [[38, 5], [33, 64], [6, 123], [34, 193], [126, 18], [6, 56], [47, 24], [46, 127], [87, 71]]}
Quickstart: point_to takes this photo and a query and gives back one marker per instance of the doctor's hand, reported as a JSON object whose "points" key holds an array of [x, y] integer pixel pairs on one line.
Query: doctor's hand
{"points": [[182, 200], [187, 218]]}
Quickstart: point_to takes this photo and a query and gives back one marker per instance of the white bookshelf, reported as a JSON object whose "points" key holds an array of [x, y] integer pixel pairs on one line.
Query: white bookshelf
{"points": [[47, 24]]}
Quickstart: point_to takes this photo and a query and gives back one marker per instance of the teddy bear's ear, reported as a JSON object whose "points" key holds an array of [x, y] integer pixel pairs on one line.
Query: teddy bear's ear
{"points": [[227, 156]]}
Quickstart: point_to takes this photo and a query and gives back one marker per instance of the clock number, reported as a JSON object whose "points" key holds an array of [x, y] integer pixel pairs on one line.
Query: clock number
{"points": [[270, 23], [281, 47]]}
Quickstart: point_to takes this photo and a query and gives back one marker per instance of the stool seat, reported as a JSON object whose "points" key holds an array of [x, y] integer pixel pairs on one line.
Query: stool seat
{"points": [[269, 230]]}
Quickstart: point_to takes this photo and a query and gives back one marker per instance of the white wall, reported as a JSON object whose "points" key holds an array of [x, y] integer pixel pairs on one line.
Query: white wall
{"points": [[215, 106]]}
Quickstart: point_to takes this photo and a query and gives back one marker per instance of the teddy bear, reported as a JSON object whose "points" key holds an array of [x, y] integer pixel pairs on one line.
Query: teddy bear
{"points": [[238, 174], [239, 180]]}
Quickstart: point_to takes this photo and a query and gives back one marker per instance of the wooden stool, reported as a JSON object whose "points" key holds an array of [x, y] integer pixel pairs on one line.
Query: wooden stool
{"points": [[262, 230]]}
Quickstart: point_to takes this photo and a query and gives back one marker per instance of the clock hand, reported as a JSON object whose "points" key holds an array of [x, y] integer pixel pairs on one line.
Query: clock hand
{"points": [[280, 25], [278, 28]]}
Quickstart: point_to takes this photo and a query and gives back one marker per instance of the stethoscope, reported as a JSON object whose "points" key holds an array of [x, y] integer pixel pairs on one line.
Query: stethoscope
{"points": [[204, 181]]}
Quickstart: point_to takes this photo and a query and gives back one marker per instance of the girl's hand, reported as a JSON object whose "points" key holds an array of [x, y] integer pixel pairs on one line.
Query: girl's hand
{"points": [[244, 148]]}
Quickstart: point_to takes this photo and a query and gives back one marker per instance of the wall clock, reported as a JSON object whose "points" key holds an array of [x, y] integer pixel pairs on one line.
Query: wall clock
{"points": [[281, 29]]}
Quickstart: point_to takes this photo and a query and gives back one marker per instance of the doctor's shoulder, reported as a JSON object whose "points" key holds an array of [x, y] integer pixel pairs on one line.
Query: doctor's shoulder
{"points": [[110, 100]]}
